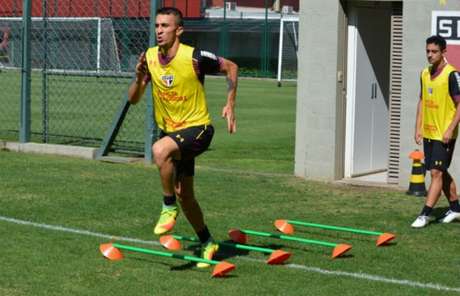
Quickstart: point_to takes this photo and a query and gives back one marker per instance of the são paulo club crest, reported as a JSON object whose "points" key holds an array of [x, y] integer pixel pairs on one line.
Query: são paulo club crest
{"points": [[168, 80]]}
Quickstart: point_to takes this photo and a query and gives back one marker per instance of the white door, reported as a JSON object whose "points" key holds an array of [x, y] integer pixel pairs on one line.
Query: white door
{"points": [[368, 91]]}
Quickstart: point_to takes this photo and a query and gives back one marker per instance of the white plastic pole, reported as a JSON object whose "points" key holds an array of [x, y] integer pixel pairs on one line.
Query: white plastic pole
{"points": [[98, 45], [296, 42], [280, 50]]}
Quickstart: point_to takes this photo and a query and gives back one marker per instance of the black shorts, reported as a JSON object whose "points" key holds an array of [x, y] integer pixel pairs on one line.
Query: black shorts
{"points": [[437, 154], [192, 142], [4, 58]]}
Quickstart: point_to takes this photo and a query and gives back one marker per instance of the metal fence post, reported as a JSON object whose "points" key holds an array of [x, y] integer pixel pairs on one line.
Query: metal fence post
{"points": [[24, 133], [264, 53], [150, 132], [45, 118], [223, 35]]}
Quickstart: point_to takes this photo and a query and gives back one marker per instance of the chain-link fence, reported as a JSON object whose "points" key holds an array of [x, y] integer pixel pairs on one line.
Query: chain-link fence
{"points": [[10, 80], [80, 61], [83, 55]]}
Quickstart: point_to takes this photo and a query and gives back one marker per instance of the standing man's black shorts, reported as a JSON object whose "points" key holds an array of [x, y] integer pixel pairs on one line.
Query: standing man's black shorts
{"points": [[192, 141], [4, 58], [437, 154]]}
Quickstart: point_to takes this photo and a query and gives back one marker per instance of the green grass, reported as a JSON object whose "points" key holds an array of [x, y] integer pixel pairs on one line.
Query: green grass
{"points": [[79, 109], [265, 127], [84, 107], [124, 199], [243, 181]]}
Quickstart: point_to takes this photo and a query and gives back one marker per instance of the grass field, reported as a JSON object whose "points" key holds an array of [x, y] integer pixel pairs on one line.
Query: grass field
{"points": [[55, 211], [76, 109], [123, 200], [84, 107]]}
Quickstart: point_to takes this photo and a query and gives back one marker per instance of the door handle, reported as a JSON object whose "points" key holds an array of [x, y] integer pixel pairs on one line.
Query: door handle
{"points": [[374, 90]]}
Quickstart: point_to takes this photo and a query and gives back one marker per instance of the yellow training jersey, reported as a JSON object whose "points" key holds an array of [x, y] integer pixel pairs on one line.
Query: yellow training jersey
{"points": [[178, 95], [438, 106]]}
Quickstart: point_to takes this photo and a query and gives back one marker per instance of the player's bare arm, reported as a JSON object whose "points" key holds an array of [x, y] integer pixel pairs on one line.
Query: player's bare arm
{"points": [[448, 134], [137, 87], [228, 112], [6, 35], [454, 90]]}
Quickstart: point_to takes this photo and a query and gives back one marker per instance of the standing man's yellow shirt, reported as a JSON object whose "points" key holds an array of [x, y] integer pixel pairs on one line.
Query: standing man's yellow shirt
{"points": [[438, 106], [178, 95]]}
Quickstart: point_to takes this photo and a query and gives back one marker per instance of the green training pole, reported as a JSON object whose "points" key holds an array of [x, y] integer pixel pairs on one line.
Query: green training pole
{"points": [[291, 238], [286, 227], [264, 47], [236, 246], [223, 34], [239, 236], [45, 109], [330, 227], [164, 254]]}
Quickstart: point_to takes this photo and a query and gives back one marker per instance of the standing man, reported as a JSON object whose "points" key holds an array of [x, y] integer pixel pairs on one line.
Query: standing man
{"points": [[4, 39], [438, 115], [177, 74]]}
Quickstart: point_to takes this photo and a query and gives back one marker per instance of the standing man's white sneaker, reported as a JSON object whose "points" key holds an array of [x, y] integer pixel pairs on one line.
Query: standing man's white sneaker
{"points": [[450, 216], [422, 221]]}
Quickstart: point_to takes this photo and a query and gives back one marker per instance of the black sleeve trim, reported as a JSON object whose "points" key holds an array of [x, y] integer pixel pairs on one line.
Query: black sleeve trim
{"points": [[454, 84], [208, 62]]}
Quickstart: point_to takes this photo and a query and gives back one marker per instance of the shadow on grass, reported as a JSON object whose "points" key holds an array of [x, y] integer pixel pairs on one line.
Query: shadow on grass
{"points": [[171, 266], [224, 252], [227, 251], [389, 244], [177, 267]]}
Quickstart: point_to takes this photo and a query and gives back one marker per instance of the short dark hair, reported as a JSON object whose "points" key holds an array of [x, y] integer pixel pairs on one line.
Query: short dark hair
{"points": [[438, 40], [174, 11]]}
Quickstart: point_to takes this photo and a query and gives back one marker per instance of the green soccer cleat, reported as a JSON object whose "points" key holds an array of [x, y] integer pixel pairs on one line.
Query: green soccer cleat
{"points": [[207, 252], [167, 220]]}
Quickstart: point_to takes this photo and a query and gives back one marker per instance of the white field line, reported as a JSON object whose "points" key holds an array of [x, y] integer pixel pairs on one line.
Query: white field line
{"points": [[362, 276], [78, 231]]}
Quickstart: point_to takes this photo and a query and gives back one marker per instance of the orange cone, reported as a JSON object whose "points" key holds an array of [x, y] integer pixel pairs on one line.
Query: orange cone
{"points": [[222, 269], [340, 250], [110, 252], [278, 257]]}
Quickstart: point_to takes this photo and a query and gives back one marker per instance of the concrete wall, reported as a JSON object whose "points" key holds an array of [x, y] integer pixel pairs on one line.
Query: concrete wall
{"points": [[316, 90], [417, 27]]}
